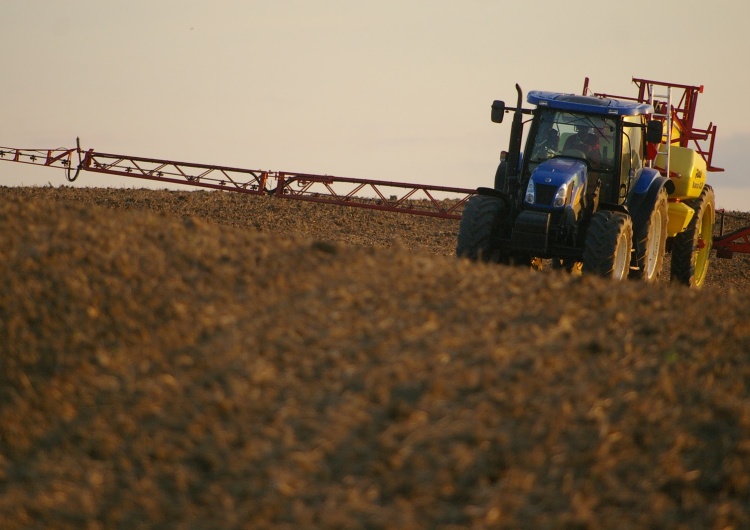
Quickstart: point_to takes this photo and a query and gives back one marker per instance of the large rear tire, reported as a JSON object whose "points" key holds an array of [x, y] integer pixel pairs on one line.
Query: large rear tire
{"points": [[607, 246], [481, 228], [691, 248], [650, 241]]}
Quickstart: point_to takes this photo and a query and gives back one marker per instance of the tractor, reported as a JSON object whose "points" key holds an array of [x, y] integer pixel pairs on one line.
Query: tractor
{"points": [[602, 187]]}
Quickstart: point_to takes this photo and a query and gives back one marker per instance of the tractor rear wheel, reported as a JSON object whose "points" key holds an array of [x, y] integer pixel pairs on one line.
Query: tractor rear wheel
{"points": [[480, 229], [607, 246], [691, 248], [650, 241]]}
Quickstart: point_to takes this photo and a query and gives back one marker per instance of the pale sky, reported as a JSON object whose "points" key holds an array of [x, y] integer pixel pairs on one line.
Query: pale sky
{"points": [[391, 90]]}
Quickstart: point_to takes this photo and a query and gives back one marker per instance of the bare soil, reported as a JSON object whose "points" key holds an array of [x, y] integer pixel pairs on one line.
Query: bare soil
{"points": [[214, 360]]}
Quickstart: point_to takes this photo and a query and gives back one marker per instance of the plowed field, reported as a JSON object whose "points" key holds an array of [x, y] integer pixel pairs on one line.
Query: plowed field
{"points": [[210, 360]]}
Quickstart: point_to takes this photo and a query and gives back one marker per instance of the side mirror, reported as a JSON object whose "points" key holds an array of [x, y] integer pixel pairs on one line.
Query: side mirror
{"points": [[498, 111], [654, 131]]}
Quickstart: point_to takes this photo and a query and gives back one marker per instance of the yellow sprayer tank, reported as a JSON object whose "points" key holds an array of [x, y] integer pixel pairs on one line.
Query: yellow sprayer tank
{"points": [[687, 170]]}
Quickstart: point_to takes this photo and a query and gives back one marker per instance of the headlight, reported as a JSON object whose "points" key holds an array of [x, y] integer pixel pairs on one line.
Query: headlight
{"points": [[560, 196], [530, 195]]}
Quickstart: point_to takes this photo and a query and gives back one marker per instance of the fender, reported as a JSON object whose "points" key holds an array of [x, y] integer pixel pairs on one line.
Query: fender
{"points": [[499, 194], [643, 194]]}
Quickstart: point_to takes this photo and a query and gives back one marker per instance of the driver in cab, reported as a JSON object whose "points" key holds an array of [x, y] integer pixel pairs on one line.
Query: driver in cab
{"points": [[584, 141]]}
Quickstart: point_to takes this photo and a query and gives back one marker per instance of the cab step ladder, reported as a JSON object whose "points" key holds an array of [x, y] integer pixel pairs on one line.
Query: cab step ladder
{"points": [[662, 104]]}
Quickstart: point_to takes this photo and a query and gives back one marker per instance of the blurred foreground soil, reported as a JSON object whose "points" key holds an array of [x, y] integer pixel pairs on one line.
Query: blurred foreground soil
{"points": [[214, 360]]}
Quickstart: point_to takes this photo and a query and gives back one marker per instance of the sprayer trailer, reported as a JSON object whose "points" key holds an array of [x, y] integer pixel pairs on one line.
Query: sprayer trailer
{"points": [[602, 186]]}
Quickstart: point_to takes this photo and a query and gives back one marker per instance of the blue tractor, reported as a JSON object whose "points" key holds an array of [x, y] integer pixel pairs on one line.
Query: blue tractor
{"points": [[581, 193]]}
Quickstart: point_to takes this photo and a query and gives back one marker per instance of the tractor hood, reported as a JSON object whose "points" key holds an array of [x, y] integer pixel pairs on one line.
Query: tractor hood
{"points": [[556, 183]]}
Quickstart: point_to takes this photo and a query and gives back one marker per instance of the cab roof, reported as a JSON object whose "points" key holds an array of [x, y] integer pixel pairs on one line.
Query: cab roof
{"points": [[588, 104]]}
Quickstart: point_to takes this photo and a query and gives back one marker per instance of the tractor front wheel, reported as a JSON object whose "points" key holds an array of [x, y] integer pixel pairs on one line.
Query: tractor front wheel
{"points": [[691, 248], [607, 246], [480, 228]]}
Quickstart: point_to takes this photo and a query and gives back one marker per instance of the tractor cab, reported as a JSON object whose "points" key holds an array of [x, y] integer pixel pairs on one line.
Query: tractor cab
{"points": [[597, 141], [588, 139]]}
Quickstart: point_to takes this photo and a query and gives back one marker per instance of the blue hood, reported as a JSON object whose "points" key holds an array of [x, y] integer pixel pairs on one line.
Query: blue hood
{"points": [[551, 174]]}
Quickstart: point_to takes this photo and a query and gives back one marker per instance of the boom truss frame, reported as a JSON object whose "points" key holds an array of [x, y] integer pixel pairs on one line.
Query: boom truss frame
{"points": [[418, 199]]}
